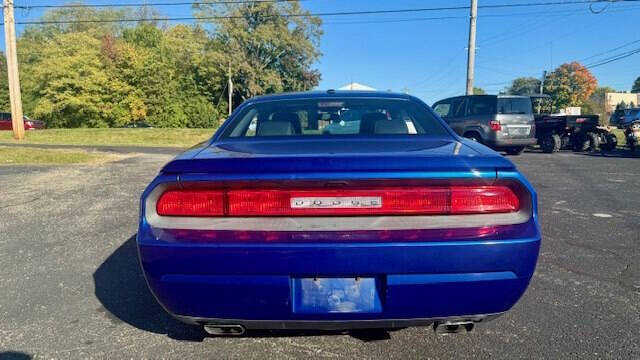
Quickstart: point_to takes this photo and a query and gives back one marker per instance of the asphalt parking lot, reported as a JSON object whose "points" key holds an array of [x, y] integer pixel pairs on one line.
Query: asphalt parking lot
{"points": [[70, 286]]}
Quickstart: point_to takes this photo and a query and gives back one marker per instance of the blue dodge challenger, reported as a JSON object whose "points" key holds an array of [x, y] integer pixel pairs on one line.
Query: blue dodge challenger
{"points": [[337, 210]]}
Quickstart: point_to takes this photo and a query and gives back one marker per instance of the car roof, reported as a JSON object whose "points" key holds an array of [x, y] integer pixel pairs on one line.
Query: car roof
{"points": [[515, 96], [503, 96], [327, 94]]}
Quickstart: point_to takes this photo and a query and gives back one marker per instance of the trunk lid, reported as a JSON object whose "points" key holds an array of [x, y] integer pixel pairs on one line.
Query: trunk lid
{"points": [[336, 155]]}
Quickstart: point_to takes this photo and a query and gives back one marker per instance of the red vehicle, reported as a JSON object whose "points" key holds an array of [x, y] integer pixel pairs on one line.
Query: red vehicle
{"points": [[5, 122]]}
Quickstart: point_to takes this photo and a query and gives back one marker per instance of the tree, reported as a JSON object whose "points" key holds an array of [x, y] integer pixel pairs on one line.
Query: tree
{"points": [[636, 86], [478, 91], [71, 85], [5, 103], [601, 90], [524, 86], [570, 85], [268, 46], [591, 106], [79, 73], [165, 69], [595, 104]]}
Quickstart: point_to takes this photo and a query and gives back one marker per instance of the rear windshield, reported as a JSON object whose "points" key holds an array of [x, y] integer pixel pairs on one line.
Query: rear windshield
{"points": [[514, 106], [334, 117]]}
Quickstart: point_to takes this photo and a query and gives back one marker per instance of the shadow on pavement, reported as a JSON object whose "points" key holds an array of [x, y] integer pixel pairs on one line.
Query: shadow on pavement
{"points": [[617, 153], [125, 297], [14, 355], [123, 292]]}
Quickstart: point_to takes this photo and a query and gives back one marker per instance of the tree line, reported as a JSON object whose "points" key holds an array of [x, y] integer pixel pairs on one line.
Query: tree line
{"points": [[76, 73], [570, 84]]}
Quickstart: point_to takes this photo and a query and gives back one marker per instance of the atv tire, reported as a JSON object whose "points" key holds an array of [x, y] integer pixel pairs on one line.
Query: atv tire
{"points": [[594, 141], [550, 143], [611, 142], [581, 143]]}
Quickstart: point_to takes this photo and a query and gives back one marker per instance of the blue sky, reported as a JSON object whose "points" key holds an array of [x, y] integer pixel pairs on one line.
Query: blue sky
{"points": [[427, 58]]}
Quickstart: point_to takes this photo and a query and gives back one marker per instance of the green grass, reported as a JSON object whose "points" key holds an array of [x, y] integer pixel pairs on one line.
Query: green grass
{"points": [[136, 137], [31, 156], [113, 137]]}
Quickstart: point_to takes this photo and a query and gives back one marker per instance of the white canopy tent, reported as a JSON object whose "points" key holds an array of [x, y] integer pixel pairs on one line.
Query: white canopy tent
{"points": [[356, 86]]}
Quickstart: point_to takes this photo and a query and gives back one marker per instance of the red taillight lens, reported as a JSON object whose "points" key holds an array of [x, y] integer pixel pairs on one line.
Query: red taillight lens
{"points": [[337, 202], [486, 199], [381, 201], [191, 203], [495, 125]]}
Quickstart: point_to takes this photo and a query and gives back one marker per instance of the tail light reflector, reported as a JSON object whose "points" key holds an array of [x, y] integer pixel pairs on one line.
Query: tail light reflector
{"points": [[347, 202], [495, 125]]}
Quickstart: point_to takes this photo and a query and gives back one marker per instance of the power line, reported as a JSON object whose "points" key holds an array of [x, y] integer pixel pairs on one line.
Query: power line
{"points": [[491, 40], [183, 3], [611, 50], [509, 34], [605, 61], [613, 58], [393, 20], [218, 17], [549, 3], [388, 11], [344, 13]]}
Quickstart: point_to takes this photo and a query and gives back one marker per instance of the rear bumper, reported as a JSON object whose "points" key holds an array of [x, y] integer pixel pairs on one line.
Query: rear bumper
{"points": [[417, 283], [503, 142], [333, 325]]}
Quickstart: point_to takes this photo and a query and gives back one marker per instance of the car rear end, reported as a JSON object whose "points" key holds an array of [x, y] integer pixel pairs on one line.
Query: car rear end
{"points": [[297, 234], [513, 124], [33, 124]]}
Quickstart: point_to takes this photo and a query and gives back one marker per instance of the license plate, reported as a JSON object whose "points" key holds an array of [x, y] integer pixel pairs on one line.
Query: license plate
{"points": [[519, 130], [335, 295]]}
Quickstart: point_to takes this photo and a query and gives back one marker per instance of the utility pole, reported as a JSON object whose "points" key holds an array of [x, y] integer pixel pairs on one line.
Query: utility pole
{"points": [[17, 122], [471, 57], [230, 90], [544, 76]]}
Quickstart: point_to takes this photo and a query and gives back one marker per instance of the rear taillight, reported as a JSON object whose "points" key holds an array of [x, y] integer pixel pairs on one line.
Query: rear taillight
{"points": [[495, 125], [191, 203], [352, 202]]}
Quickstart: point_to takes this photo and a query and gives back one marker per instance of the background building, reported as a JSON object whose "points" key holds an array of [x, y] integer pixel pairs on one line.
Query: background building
{"points": [[611, 100]]}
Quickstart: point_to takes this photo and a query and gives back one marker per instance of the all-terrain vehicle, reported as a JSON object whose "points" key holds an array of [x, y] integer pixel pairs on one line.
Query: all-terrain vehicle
{"points": [[632, 134], [562, 131]]}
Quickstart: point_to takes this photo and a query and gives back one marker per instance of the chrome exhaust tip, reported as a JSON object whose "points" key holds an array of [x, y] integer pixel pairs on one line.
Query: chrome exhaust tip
{"points": [[453, 327], [224, 330]]}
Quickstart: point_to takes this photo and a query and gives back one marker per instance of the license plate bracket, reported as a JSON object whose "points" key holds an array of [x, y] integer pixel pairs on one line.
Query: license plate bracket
{"points": [[335, 295]]}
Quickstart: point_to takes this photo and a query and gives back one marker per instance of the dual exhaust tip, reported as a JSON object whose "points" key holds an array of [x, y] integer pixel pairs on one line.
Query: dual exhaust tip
{"points": [[439, 327], [225, 330], [452, 327]]}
